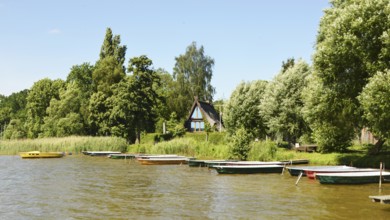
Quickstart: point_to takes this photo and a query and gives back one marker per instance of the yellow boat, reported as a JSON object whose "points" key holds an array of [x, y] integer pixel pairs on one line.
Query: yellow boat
{"points": [[38, 154]]}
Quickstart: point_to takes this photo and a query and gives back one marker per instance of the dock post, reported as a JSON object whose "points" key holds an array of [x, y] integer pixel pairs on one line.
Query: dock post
{"points": [[380, 175], [299, 178], [284, 169]]}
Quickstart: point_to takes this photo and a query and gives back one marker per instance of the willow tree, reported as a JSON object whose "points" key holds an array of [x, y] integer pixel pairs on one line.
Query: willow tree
{"points": [[193, 72], [281, 106], [375, 101], [242, 110], [352, 46]]}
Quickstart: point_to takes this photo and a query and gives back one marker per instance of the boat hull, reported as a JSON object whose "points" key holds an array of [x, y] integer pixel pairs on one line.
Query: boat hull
{"points": [[121, 156], [165, 161], [352, 178], [38, 154], [242, 169]]}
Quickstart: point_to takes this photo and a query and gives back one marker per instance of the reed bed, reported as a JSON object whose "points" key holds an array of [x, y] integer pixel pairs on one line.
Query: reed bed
{"points": [[74, 144]]}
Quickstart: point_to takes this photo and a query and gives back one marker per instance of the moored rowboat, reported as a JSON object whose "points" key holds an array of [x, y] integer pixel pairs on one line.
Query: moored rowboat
{"points": [[163, 161], [248, 169], [297, 170], [100, 153], [353, 177], [121, 156], [38, 154], [311, 172]]}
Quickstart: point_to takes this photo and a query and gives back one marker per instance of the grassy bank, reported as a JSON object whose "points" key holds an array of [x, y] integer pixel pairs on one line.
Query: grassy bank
{"points": [[194, 145], [72, 144]]}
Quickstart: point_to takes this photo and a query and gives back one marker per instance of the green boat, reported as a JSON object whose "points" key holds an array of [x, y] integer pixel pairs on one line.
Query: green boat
{"points": [[122, 156], [248, 169], [352, 177], [206, 163]]}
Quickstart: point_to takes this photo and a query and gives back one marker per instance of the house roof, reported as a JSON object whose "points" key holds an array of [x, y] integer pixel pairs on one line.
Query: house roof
{"points": [[208, 112]]}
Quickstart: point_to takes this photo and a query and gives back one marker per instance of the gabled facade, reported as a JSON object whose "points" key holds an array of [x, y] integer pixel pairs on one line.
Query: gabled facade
{"points": [[201, 112]]}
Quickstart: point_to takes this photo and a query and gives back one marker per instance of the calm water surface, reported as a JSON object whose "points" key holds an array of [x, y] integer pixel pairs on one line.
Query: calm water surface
{"points": [[83, 187]]}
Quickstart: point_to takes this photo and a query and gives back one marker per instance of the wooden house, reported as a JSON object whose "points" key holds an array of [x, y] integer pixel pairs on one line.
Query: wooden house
{"points": [[200, 113]]}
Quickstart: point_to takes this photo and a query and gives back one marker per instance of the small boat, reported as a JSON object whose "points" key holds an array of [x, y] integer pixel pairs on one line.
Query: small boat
{"points": [[159, 156], [353, 177], [121, 156], [311, 172], [213, 163], [163, 161], [295, 162], [206, 163], [246, 163], [297, 170], [248, 169], [100, 153], [38, 154]]}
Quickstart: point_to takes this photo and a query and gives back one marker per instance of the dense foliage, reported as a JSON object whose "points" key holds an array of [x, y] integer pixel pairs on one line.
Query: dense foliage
{"points": [[346, 89], [242, 110], [352, 46], [108, 99], [281, 105]]}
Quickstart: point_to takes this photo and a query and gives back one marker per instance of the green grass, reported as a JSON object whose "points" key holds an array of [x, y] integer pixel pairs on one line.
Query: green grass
{"points": [[72, 144], [194, 145]]}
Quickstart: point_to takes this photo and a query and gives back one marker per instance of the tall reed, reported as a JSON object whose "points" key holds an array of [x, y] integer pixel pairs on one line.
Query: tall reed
{"points": [[74, 144]]}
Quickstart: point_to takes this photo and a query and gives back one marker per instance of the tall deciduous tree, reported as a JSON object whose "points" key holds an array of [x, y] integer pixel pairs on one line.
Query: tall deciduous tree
{"points": [[375, 101], [282, 102], [193, 72], [64, 114], [133, 104], [352, 46], [242, 109], [145, 96], [109, 69], [38, 100]]}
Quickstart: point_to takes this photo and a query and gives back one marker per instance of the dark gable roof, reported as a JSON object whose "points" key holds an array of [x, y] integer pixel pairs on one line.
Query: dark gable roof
{"points": [[208, 112]]}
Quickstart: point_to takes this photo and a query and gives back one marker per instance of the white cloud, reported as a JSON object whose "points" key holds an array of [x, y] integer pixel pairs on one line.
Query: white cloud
{"points": [[54, 31]]}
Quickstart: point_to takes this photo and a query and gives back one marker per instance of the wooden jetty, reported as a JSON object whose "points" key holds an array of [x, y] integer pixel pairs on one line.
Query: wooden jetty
{"points": [[382, 199]]}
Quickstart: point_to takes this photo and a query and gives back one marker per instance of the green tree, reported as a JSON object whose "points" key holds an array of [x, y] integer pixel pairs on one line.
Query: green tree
{"points": [[63, 115], [192, 72], [81, 77], [38, 100], [352, 46], [15, 130], [242, 109], [375, 101], [145, 97], [12, 107], [282, 103], [240, 144], [134, 100], [99, 114], [109, 69]]}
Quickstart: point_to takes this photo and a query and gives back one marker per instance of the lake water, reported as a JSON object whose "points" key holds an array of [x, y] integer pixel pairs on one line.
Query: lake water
{"points": [[84, 187]]}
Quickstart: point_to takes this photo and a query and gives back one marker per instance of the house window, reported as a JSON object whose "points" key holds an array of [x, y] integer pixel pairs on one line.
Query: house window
{"points": [[197, 114], [197, 126]]}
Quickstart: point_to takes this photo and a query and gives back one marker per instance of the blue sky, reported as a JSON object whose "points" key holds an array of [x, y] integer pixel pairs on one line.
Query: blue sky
{"points": [[248, 39]]}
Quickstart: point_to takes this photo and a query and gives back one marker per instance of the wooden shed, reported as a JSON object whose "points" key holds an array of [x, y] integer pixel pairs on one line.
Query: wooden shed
{"points": [[200, 112]]}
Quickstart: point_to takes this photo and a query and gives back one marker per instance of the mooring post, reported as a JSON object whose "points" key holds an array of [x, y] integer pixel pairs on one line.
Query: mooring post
{"points": [[299, 178], [380, 175], [284, 168]]}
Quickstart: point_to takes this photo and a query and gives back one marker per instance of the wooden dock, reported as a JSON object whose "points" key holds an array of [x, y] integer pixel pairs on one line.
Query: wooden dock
{"points": [[382, 199]]}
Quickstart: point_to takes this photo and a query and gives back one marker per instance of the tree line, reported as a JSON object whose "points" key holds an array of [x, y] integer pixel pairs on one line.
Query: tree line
{"points": [[109, 98], [345, 89]]}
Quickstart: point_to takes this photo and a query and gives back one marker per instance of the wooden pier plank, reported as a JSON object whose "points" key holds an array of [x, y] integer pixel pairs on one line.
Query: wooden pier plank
{"points": [[382, 199]]}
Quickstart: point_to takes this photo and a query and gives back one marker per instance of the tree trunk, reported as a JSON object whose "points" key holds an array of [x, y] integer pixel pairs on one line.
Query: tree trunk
{"points": [[378, 146]]}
